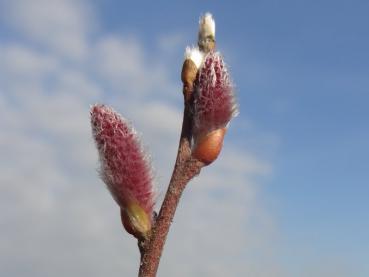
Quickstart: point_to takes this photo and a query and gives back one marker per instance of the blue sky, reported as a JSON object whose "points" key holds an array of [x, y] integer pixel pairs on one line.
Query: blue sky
{"points": [[288, 196]]}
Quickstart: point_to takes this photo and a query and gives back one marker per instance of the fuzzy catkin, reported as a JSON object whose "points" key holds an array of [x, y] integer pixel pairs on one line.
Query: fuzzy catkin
{"points": [[214, 101], [124, 167]]}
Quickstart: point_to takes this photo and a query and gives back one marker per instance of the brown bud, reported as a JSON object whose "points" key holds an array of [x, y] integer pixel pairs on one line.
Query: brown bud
{"points": [[208, 147], [188, 76], [206, 45]]}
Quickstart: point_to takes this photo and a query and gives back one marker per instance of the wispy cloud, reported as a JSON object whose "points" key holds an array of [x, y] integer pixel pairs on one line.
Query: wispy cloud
{"points": [[60, 26]]}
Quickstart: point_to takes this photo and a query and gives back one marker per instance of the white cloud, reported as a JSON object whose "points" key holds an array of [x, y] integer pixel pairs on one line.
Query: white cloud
{"points": [[62, 26], [119, 58], [170, 43], [126, 66], [23, 62], [57, 218]]}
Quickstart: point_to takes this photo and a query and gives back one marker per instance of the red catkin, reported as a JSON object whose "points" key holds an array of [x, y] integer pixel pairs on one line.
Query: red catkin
{"points": [[214, 101], [124, 167]]}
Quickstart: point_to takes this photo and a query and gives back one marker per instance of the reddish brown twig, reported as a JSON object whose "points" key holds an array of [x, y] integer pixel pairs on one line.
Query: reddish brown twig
{"points": [[184, 170]]}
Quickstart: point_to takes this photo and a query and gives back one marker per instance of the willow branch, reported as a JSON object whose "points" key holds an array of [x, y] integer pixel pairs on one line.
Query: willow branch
{"points": [[184, 170]]}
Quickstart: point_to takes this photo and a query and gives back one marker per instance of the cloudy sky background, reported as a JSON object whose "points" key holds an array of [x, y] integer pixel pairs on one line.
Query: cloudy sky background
{"points": [[288, 196]]}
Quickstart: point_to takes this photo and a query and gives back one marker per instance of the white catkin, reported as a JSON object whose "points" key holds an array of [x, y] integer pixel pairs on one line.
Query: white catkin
{"points": [[206, 25], [195, 55]]}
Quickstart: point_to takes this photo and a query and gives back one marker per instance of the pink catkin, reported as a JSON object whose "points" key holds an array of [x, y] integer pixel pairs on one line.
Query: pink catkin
{"points": [[123, 165], [214, 101]]}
